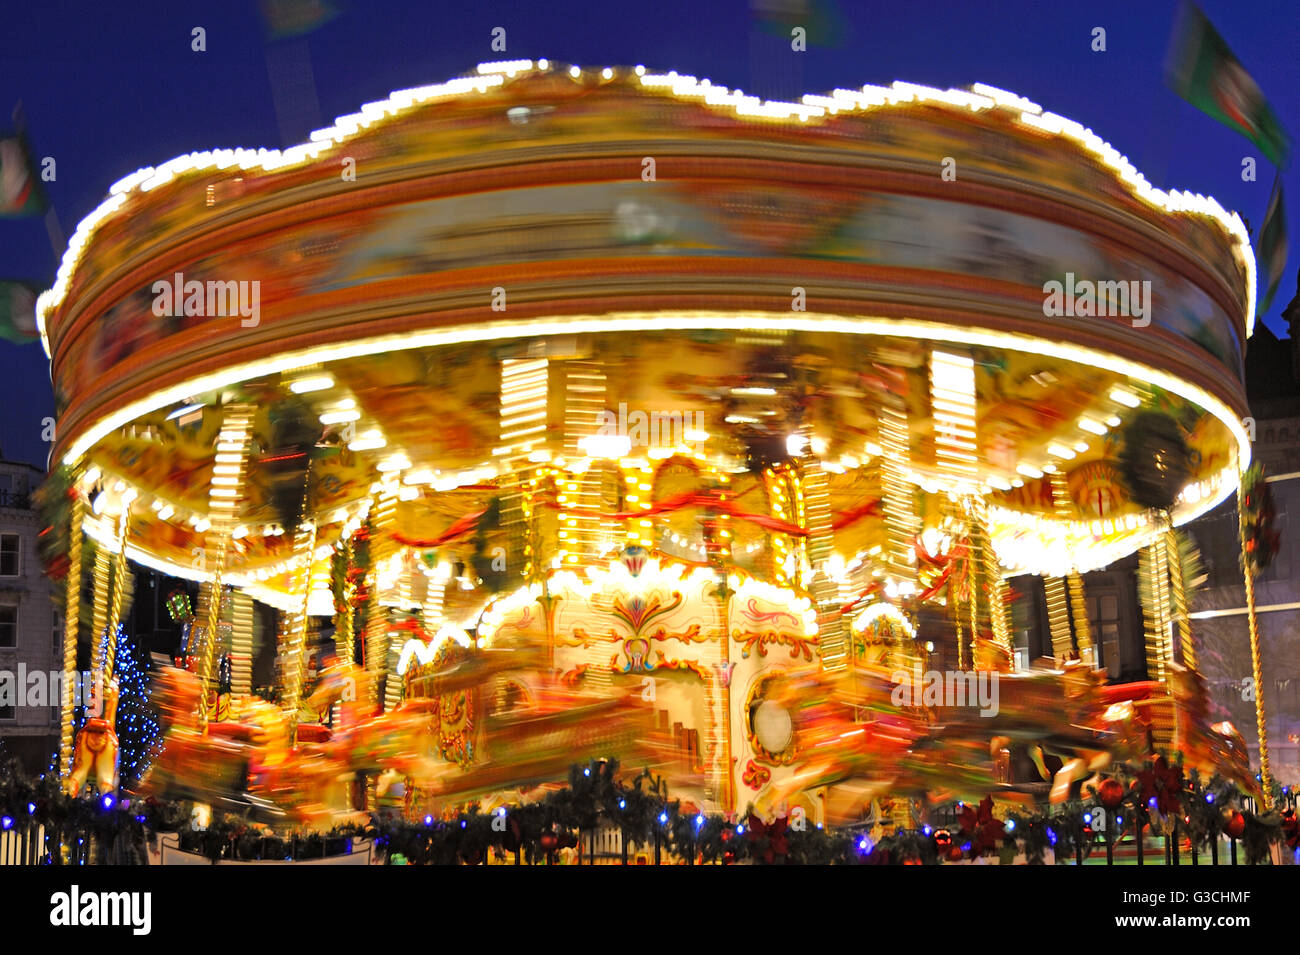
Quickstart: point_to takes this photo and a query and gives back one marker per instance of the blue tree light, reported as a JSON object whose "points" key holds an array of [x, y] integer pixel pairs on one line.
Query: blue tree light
{"points": [[139, 734]]}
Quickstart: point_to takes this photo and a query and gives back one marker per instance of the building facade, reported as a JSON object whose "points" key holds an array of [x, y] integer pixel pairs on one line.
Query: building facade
{"points": [[1219, 608], [31, 625]]}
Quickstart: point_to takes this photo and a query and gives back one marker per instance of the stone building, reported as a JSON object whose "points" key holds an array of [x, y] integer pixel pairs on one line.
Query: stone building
{"points": [[30, 624]]}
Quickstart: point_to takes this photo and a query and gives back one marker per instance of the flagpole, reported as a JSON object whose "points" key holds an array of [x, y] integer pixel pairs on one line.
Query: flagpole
{"points": [[53, 228]]}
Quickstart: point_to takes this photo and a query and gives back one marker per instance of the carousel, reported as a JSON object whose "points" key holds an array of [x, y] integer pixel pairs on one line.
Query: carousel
{"points": [[604, 413]]}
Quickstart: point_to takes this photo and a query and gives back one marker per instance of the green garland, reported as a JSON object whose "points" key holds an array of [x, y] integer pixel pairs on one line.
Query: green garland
{"points": [[641, 810]]}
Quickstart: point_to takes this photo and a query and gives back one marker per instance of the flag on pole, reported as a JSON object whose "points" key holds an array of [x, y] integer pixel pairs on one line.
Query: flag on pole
{"points": [[20, 188], [1272, 250], [822, 21], [18, 312], [1203, 71], [290, 18]]}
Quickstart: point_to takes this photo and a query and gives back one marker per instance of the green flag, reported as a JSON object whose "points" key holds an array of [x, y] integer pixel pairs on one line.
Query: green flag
{"points": [[1271, 253], [1203, 71], [18, 312], [821, 20], [290, 18], [20, 188]]}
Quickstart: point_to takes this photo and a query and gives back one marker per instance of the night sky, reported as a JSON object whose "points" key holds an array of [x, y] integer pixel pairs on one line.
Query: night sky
{"points": [[108, 88]]}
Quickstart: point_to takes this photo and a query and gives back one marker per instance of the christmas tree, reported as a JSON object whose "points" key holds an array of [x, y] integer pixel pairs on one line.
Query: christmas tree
{"points": [[138, 732]]}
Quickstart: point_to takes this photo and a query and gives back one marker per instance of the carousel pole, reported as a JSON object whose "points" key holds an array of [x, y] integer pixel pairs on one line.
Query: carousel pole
{"points": [[241, 644], [119, 590], [816, 517], [223, 502], [344, 624], [995, 586], [1256, 662], [294, 630], [1174, 558], [102, 577], [383, 513], [1155, 612], [718, 554], [71, 617], [898, 504], [1078, 612]]}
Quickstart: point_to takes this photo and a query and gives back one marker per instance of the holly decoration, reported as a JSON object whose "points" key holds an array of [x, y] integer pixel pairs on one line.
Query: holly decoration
{"points": [[538, 831], [1290, 829], [1260, 537], [1164, 784], [770, 840]]}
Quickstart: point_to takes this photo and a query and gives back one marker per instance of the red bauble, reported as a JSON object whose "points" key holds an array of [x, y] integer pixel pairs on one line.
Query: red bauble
{"points": [[1111, 793], [1235, 825], [955, 854]]}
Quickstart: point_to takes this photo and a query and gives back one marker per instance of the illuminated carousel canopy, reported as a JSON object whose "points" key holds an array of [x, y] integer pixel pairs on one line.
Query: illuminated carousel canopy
{"points": [[766, 278]]}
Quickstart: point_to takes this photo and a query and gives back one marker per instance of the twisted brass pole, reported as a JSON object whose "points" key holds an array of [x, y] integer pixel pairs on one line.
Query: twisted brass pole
{"points": [[71, 618]]}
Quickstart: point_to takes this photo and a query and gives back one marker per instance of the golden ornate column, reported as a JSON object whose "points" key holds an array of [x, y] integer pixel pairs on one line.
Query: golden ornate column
{"points": [[1256, 661], [120, 574], [71, 618]]}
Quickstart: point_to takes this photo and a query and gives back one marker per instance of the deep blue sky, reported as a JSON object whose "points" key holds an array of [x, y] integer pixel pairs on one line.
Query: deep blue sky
{"points": [[111, 87]]}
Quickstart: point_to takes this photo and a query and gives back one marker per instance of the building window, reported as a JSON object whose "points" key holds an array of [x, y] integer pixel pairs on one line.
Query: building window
{"points": [[1280, 569], [8, 714], [1103, 618], [8, 626], [9, 548]]}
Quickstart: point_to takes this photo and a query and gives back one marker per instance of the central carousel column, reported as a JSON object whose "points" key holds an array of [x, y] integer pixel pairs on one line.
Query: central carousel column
{"points": [[717, 546], [241, 645], [224, 498], [524, 386]]}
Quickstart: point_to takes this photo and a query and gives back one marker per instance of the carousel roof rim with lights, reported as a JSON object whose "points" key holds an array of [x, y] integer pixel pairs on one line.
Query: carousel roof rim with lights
{"points": [[96, 410], [106, 396], [814, 107]]}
